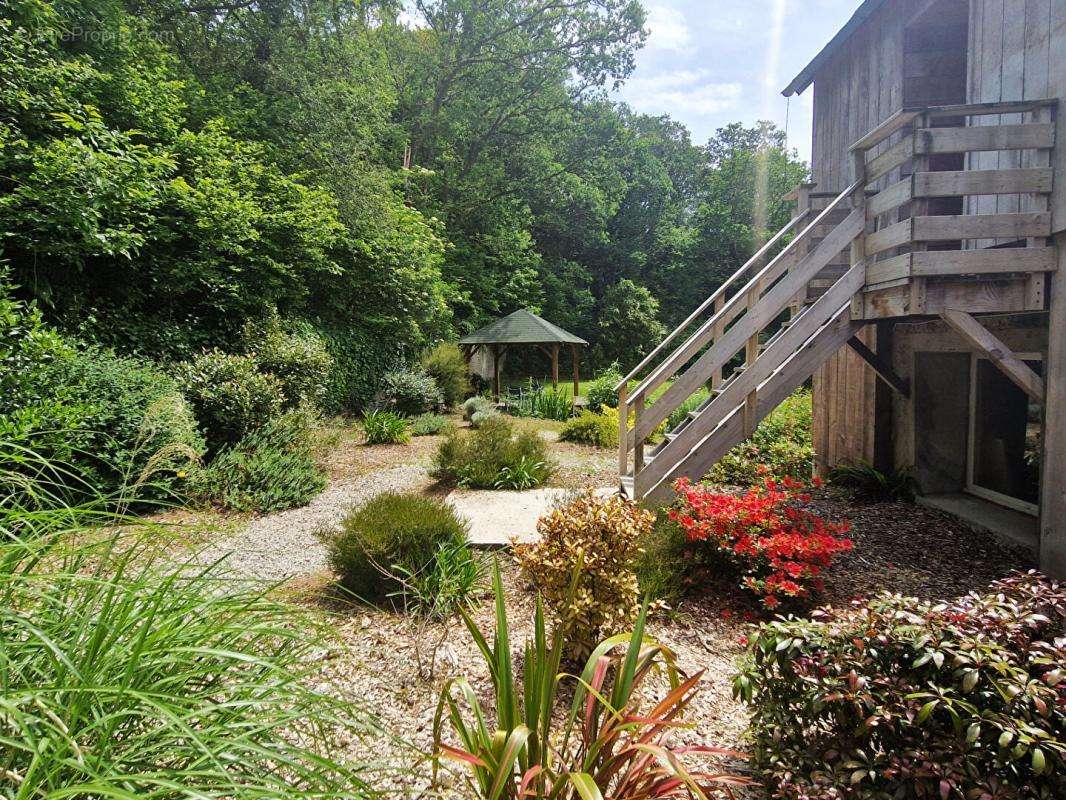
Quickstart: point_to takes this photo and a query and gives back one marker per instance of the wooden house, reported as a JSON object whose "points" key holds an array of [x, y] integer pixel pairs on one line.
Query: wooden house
{"points": [[923, 283]]}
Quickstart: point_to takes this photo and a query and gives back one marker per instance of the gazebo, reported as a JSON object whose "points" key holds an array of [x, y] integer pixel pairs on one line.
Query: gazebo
{"points": [[525, 328]]}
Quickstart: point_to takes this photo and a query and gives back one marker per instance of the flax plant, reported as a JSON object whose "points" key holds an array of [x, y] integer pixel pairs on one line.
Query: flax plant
{"points": [[608, 746]]}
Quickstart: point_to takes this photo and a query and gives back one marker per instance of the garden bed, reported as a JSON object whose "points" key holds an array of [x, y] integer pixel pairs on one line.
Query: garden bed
{"points": [[399, 663]]}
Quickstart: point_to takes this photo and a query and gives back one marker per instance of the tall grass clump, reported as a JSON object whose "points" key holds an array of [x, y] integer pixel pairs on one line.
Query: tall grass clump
{"points": [[127, 675]]}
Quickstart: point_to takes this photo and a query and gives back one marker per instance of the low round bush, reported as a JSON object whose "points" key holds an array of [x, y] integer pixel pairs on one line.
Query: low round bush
{"points": [[446, 364], [409, 392], [604, 533], [391, 535], [601, 392], [271, 469], [296, 355], [599, 429], [385, 427], [490, 456], [229, 395], [900, 698], [430, 425], [477, 404]]}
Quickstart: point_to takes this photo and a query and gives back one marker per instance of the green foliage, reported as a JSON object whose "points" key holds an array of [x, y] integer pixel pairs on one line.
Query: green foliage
{"points": [[603, 535], [523, 474], [430, 425], [477, 458], [141, 676], [446, 364], [967, 697], [385, 427], [454, 579], [872, 485], [599, 429], [542, 402], [691, 403], [527, 749], [601, 392], [628, 322], [296, 357], [781, 447], [475, 405], [360, 358], [481, 417], [409, 392], [664, 561], [271, 468], [391, 538], [229, 395]]}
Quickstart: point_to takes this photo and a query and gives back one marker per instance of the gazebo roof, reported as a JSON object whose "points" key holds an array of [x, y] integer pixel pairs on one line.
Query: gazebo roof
{"points": [[521, 327]]}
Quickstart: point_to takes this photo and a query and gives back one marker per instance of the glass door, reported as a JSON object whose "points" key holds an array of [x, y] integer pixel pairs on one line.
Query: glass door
{"points": [[1005, 433]]}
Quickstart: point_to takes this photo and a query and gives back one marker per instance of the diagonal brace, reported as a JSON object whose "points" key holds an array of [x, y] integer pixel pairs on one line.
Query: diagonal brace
{"points": [[998, 353], [880, 366]]}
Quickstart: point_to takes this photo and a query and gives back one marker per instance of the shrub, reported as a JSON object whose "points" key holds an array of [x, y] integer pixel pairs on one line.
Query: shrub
{"points": [[477, 458], [229, 395], [477, 404], [542, 403], [409, 392], [872, 485], [615, 742], [778, 547], [523, 474], [663, 564], [271, 469], [481, 417], [391, 537], [781, 447], [599, 429], [297, 357], [452, 580], [430, 425], [603, 535], [385, 427], [897, 697], [601, 392], [360, 358], [144, 677], [447, 366]]}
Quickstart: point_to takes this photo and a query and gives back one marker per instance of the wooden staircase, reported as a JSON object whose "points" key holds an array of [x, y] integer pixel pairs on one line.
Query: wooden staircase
{"points": [[871, 252], [787, 316]]}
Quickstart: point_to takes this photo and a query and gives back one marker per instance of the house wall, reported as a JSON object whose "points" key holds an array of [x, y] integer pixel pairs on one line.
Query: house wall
{"points": [[1018, 52]]}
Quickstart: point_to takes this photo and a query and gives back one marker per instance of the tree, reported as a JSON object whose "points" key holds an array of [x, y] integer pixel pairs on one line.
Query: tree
{"points": [[628, 323]]}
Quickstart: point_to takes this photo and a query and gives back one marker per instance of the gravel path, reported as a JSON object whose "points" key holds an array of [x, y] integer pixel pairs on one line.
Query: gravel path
{"points": [[282, 545]]}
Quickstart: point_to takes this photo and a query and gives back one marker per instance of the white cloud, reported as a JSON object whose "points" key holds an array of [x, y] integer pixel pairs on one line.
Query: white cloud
{"points": [[680, 92], [668, 29]]}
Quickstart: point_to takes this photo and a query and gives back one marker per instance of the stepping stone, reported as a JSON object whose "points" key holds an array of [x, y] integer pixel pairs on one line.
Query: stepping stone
{"points": [[497, 516]]}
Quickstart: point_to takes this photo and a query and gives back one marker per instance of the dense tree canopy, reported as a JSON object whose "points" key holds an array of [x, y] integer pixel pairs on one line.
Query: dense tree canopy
{"points": [[171, 169]]}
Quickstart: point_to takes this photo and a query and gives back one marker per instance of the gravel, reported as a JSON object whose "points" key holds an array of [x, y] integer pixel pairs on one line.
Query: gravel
{"points": [[284, 545]]}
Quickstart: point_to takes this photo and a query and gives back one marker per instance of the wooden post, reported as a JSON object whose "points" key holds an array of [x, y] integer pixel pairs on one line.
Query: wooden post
{"points": [[716, 376], [919, 208], [638, 442], [555, 365], [1034, 290], [623, 430], [575, 359], [496, 354], [1052, 477]]}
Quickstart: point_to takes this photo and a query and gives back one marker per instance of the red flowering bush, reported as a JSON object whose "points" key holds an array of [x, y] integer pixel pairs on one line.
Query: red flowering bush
{"points": [[899, 698], [779, 547]]}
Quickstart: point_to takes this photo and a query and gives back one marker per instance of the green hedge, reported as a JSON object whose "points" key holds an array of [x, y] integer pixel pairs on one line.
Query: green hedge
{"points": [[360, 361]]}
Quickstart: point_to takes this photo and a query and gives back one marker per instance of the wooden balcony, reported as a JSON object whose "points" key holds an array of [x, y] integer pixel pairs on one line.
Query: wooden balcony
{"points": [[956, 201]]}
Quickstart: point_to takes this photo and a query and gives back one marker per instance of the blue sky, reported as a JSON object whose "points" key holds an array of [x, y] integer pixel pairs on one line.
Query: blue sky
{"points": [[711, 62]]}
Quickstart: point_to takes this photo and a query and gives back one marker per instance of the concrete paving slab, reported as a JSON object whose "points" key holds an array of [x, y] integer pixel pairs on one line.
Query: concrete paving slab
{"points": [[496, 516]]}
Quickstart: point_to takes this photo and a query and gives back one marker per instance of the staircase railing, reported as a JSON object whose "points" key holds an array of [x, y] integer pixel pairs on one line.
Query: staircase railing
{"points": [[752, 301], [736, 322]]}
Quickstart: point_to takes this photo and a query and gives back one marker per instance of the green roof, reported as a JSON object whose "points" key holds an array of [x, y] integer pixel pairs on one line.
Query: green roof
{"points": [[521, 327]]}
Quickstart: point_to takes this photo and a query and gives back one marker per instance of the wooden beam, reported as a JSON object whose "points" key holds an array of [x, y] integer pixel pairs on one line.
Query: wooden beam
{"points": [[998, 353], [1029, 136], [958, 183], [555, 365], [899, 153], [895, 195], [980, 226], [575, 360], [1052, 477], [880, 366]]}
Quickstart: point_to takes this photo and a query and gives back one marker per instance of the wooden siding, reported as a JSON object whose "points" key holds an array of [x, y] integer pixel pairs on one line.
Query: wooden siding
{"points": [[1017, 52]]}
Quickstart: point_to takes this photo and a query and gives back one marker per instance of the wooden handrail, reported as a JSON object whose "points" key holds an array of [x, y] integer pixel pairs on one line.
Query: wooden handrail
{"points": [[718, 293], [666, 370]]}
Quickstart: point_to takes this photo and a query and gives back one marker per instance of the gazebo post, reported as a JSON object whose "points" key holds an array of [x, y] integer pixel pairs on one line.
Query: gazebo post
{"points": [[496, 372], [577, 369], [555, 365]]}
